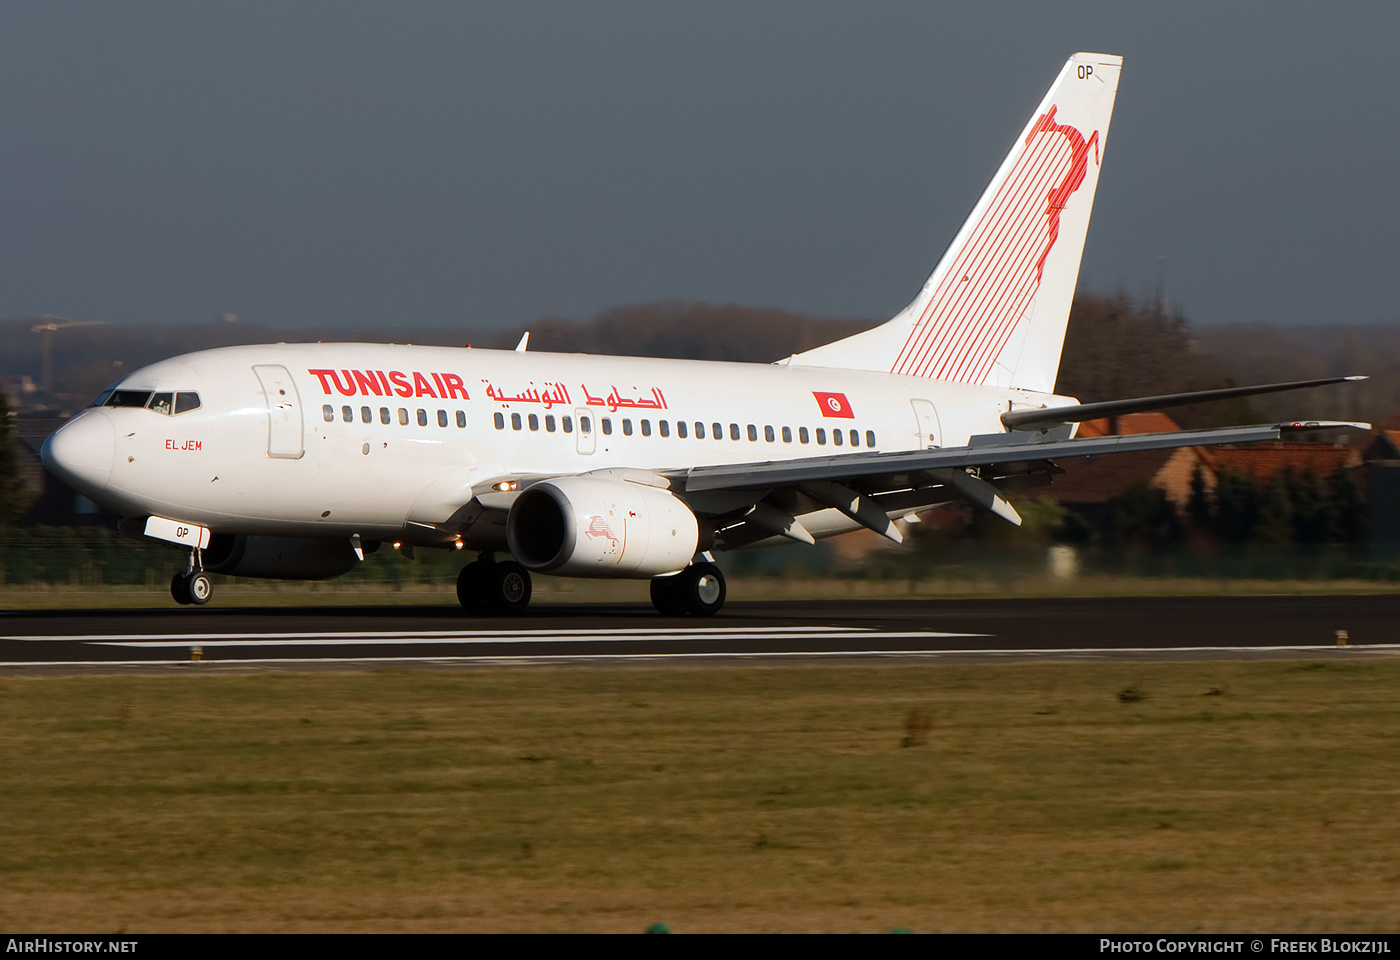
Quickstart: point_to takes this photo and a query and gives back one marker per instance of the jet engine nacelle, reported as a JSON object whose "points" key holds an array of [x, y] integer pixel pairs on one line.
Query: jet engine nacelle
{"points": [[594, 527], [279, 558]]}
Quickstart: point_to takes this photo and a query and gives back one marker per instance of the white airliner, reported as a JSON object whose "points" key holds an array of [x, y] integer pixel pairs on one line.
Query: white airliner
{"points": [[293, 460]]}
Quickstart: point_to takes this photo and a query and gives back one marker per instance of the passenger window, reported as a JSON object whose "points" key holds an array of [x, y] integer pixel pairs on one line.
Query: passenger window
{"points": [[442, 418], [626, 427], [870, 439], [664, 426], [699, 430], [607, 426], [753, 434], [422, 417], [534, 421], [366, 415], [821, 436], [347, 414], [500, 419], [568, 424], [515, 421], [802, 435], [717, 431], [549, 422], [585, 425], [680, 429], [646, 428], [384, 416], [185, 402], [855, 438], [461, 419], [328, 412], [733, 431], [768, 434], [787, 434], [403, 417], [836, 437]]}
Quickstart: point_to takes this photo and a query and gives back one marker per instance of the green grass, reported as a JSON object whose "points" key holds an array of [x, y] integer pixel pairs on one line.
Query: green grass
{"points": [[1231, 796], [246, 593]]}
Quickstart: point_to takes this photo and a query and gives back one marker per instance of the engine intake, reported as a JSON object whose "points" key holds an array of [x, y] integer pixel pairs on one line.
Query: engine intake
{"points": [[591, 527]]}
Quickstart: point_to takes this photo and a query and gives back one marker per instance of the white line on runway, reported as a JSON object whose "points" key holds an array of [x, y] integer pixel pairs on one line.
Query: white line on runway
{"points": [[1083, 652], [1023, 652], [516, 638], [357, 634]]}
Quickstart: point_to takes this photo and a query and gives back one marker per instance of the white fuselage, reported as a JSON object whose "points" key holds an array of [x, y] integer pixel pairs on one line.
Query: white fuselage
{"points": [[291, 439]]}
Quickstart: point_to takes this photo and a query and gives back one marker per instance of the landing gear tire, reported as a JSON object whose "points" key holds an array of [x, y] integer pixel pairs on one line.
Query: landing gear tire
{"points": [[195, 588], [485, 587], [474, 587], [700, 587], [512, 588], [666, 595]]}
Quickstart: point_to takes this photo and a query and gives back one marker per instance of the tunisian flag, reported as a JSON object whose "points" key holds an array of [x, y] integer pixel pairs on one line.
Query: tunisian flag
{"points": [[834, 405]]}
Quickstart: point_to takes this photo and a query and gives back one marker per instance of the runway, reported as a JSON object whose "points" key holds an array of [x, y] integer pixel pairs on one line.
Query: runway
{"points": [[946, 630]]}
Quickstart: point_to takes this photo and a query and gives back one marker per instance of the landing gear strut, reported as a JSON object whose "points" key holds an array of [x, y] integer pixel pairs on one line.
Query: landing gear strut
{"points": [[485, 586], [698, 590], [192, 586]]}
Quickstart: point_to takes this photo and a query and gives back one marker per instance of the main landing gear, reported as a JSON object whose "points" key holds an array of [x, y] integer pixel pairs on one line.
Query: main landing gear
{"points": [[698, 591], [485, 586], [192, 586]]}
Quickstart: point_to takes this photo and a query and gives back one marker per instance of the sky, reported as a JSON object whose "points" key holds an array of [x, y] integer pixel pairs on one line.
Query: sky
{"points": [[479, 165]]}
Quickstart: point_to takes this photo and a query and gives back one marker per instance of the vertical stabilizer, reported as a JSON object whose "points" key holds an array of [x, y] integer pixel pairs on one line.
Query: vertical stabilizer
{"points": [[995, 308]]}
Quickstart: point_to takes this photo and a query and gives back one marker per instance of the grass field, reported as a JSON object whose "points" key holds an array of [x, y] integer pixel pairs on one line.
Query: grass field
{"points": [[1223, 796], [245, 593]]}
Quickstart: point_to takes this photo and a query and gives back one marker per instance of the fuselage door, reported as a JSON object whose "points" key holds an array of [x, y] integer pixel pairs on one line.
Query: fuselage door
{"points": [[284, 429], [928, 433], [586, 426]]}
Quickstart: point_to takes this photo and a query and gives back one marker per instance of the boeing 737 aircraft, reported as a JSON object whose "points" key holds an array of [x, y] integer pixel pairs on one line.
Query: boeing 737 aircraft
{"points": [[294, 460]]}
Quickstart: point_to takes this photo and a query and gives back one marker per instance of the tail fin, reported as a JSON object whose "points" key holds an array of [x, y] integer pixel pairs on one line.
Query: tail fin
{"points": [[995, 308]]}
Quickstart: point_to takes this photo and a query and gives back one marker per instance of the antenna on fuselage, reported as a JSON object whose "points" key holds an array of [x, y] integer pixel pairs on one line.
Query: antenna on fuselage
{"points": [[524, 342]]}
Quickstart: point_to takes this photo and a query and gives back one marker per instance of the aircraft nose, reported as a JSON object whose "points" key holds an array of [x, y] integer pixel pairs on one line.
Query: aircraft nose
{"points": [[80, 452]]}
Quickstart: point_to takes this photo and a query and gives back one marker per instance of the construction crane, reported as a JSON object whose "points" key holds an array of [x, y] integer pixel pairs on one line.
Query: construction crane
{"points": [[46, 325]]}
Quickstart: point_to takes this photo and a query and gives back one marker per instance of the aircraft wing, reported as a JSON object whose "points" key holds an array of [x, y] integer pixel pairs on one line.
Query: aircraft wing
{"points": [[752, 503], [756, 502], [983, 451]]}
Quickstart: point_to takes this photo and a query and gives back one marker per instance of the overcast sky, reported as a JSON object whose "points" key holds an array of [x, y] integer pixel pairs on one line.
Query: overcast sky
{"points": [[481, 165]]}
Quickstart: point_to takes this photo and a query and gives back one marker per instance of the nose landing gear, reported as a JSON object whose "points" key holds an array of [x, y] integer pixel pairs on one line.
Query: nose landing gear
{"points": [[193, 586]]}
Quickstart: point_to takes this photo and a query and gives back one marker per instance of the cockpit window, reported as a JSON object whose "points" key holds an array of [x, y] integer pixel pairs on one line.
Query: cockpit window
{"points": [[128, 398], [164, 403]]}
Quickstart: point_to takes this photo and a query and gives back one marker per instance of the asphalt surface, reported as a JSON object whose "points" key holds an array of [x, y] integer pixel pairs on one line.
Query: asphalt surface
{"points": [[956, 630]]}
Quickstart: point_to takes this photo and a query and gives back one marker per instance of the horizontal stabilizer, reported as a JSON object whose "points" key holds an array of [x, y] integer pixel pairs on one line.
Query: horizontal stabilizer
{"points": [[1076, 413]]}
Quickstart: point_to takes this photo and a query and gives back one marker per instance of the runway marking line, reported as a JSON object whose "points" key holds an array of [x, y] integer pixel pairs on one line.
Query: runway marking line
{"points": [[1085, 652], [565, 658], [355, 634], [512, 638]]}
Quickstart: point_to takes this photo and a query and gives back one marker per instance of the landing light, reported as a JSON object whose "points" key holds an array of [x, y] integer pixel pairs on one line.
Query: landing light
{"points": [[505, 486]]}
